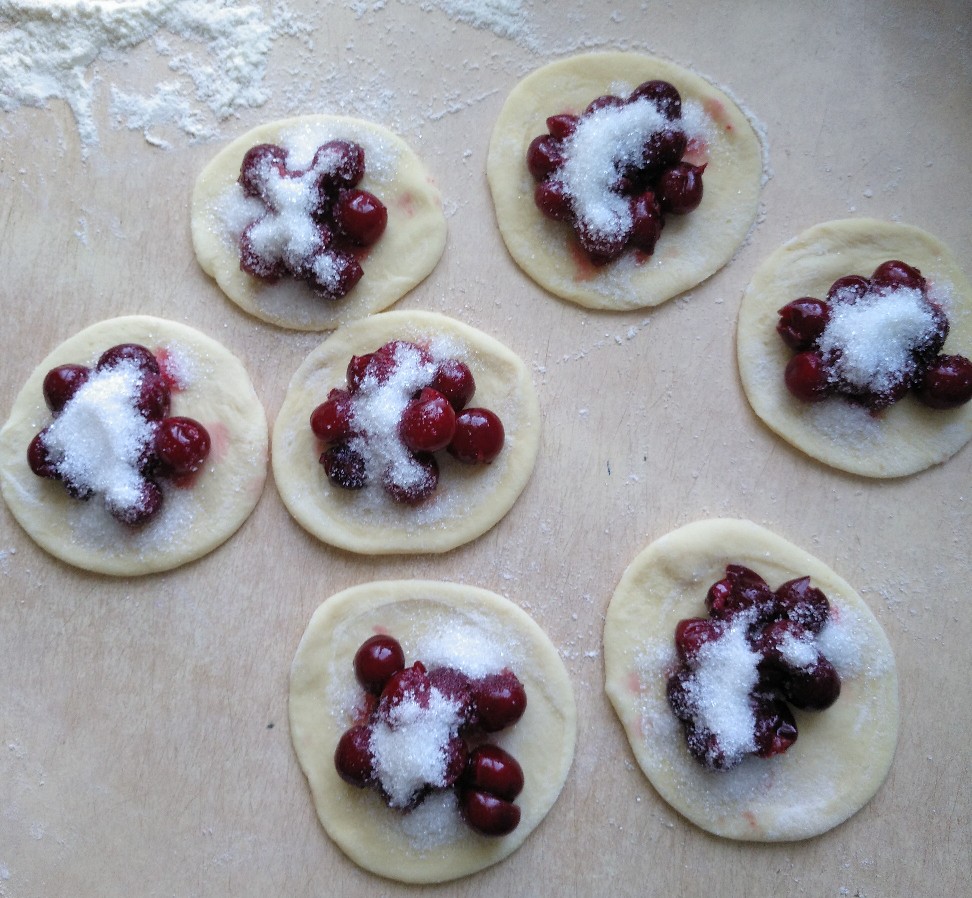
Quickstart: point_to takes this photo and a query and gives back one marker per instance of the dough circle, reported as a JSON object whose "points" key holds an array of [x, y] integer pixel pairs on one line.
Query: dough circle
{"points": [[323, 691], [469, 499], [216, 391], [906, 438], [841, 756], [691, 248], [409, 249]]}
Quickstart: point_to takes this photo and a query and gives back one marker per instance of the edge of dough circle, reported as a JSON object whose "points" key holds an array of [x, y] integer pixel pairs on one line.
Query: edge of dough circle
{"points": [[691, 248], [403, 257]]}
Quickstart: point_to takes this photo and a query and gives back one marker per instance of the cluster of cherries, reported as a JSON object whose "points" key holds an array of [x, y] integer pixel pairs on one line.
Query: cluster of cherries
{"points": [[436, 418], [657, 183], [177, 447], [937, 380], [796, 611], [486, 778], [327, 204]]}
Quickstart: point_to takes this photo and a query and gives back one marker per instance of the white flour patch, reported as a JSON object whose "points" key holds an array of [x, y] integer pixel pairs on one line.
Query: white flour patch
{"points": [[505, 18], [51, 50]]}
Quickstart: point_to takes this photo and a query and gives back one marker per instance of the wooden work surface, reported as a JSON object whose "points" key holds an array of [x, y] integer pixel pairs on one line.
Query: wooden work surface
{"points": [[144, 745]]}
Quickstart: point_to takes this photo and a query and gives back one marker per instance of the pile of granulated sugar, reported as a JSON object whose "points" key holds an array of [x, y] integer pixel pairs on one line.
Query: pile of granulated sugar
{"points": [[50, 49]]}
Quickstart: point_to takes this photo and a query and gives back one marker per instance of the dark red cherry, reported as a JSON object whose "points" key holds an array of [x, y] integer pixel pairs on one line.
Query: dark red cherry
{"points": [[775, 728], [345, 467], [139, 355], [802, 603], [146, 507], [455, 686], [705, 747], [376, 660], [333, 273], [479, 436], [679, 696], [258, 163], [360, 216], [606, 101], [344, 164], [410, 684], [553, 200], [602, 247], [665, 96], [807, 377], [679, 188], [561, 126], [740, 590], [663, 149], [491, 769], [420, 486], [693, 633], [331, 420], [544, 156], [456, 761], [487, 814], [153, 397], [646, 222], [895, 273], [39, 459], [353, 759], [455, 381], [428, 423], [255, 263], [802, 322], [848, 289], [946, 382], [500, 700], [813, 688], [181, 445], [61, 383]]}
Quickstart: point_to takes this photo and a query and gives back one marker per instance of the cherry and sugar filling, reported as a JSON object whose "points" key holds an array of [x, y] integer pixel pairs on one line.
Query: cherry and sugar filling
{"points": [[616, 170], [315, 221], [873, 341], [400, 407], [111, 434], [422, 731], [741, 668]]}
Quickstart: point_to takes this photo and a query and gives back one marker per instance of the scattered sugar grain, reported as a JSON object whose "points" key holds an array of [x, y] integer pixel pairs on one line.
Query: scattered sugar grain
{"points": [[434, 823], [465, 646]]}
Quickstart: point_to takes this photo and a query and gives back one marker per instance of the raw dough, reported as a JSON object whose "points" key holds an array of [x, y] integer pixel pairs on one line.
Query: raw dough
{"points": [[841, 755], [469, 499], [907, 437], [216, 391], [431, 620], [407, 251], [691, 248]]}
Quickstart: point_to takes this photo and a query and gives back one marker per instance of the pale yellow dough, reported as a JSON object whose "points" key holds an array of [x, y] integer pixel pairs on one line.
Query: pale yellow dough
{"points": [[193, 521], [841, 756], [469, 499], [324, 693], [409, 249], [691, 248], [906, 438]]}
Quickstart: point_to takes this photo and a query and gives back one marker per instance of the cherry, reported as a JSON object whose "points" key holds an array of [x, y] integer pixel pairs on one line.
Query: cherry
{"points": [[39, 459], [932, 345], [376, 660], [848, 289], [456, 761], [148, 505], [408, 684], [181, 445], [679, 698], [544, 156], [142, 358], [740, 590], [417, 489], [802, 603], [255, 263], [487, 814], [807, 377], [331, 420], [770, 640], [679, 188], [344, 466], [428, 422], [479, 436], [334, 273], [663, 149], [946, 382], [562, 126], [257, 163], [491, 769], [665, 96], [607, 101], [457, 688], [706, 748], [553, 200], [353, 758], [344, 163], [646, 221], [775, 728], [153, 397], [693, 633], [360, 216], [455, 381], [895, 273], [500, 700], [802, 322], [814, 688], [61, 383], [602, 247]]}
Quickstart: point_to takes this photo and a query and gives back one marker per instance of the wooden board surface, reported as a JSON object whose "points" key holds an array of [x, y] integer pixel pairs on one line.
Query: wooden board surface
{"points": [[144, 747]]}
